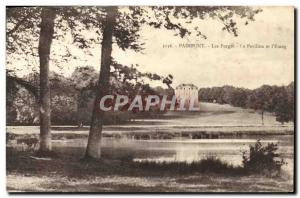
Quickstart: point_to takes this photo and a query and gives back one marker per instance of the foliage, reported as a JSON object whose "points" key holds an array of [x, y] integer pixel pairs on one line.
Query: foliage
{"points": [[276, 99], [84, 77], [284, 104], [72, 97], [25, 107], [263, 159]]}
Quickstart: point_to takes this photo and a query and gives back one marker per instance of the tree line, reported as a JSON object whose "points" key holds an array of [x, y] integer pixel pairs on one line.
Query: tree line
{"points": [[72, 97], [278, 100]]}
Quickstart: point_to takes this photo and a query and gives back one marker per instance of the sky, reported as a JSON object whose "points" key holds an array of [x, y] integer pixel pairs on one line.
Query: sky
{"points": [[208, 67]]}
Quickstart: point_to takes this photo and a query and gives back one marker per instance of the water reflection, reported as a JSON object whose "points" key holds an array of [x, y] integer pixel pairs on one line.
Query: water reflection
{"points": [[184, 150]]}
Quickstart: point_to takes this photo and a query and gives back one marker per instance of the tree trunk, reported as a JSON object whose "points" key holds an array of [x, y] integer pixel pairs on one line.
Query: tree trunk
{"points": [[46, 35], [93, 149], [262, 117]]}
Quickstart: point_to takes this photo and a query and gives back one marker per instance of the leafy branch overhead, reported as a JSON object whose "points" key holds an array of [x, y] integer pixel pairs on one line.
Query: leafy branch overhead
{"points": [[131, 19], [85, 23], [131, 75]]}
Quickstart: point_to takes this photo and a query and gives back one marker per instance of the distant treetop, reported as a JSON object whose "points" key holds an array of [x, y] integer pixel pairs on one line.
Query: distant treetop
{"points": [[192, 86]]}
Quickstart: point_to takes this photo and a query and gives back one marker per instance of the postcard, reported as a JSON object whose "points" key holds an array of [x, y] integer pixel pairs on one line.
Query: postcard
{"points": [[150, 99]]}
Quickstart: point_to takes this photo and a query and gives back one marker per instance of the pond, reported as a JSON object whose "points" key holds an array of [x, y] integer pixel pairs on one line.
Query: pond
{"points": [[184, 149]]}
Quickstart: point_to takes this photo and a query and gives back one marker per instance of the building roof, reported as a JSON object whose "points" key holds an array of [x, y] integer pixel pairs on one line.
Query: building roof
{"points": [[187, 85]]}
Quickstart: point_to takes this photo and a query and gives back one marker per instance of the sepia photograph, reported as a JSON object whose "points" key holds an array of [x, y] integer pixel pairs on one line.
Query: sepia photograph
{"points": [[150, 99]]}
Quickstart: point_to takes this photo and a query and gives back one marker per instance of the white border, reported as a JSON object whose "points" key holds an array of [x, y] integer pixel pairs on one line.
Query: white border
{"points": [[4, 3], [150, 2]]}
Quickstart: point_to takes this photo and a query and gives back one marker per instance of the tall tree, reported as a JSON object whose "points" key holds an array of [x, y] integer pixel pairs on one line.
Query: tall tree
{"points": [[45, 39], [261, 99], [94, 141], [29, 35]]}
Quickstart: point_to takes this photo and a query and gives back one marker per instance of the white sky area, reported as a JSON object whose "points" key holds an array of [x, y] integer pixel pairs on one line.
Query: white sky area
{"points": [[249, 68]]}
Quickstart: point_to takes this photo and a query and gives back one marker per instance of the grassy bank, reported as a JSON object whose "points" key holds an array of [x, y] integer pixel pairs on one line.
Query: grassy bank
{"points": [[78, 167], [61, 133], [69, 173]]}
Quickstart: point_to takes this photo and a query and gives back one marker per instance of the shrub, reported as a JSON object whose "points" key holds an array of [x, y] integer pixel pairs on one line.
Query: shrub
{"points": [[263, 159]]}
